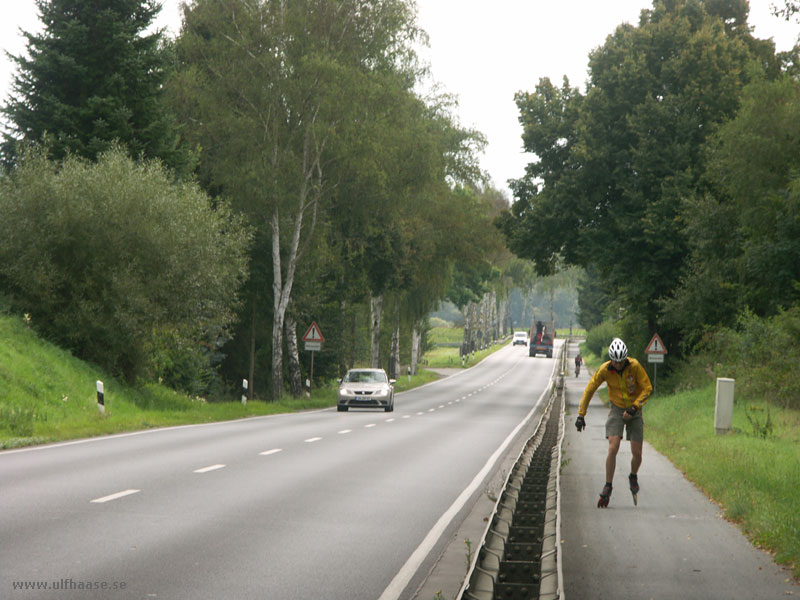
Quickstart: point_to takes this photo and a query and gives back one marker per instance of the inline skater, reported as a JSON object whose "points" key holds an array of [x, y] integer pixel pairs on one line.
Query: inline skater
{"points": [[629, 388], [578, 363]]}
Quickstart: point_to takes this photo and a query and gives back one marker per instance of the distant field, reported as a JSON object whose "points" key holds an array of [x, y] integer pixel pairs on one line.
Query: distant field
{"points": [[448, 356], [445, 335]]}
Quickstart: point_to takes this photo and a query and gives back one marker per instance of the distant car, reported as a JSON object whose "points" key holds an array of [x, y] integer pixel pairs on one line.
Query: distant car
{"points": [[366, 388], [520, 338]]}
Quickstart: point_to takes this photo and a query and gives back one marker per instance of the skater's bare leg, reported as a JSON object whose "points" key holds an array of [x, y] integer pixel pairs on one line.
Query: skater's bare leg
{"points": [[636, 456], [611, 459]]}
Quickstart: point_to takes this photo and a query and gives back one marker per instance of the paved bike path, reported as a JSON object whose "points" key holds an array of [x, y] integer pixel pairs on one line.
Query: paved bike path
{"points": [[674, 544]]}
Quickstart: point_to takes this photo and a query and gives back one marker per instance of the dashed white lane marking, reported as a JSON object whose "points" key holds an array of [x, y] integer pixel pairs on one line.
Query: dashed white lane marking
{"points": [[390, 420], [114, 496], [431, 409], [370, 425], [211, 468], [441, 406], [312, 440], [343, 431], [420, 413], [406, 416], [273, 451]]}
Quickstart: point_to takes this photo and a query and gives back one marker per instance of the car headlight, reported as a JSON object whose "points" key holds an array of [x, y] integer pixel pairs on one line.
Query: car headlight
{"points": [[382, 393], [345, 392]]}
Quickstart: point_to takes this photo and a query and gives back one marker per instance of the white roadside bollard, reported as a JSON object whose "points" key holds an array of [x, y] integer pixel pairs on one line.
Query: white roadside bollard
{"points": [[723, 410], [101, 401], [244, 392]]}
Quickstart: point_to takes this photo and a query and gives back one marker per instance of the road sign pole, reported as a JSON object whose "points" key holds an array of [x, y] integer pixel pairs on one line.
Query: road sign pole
{"points": [[311, 376], [655, 377]]}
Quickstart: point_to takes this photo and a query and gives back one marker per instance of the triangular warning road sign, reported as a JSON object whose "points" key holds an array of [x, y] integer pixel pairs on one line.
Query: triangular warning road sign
{"points": [[656, 346], [313, 334]]}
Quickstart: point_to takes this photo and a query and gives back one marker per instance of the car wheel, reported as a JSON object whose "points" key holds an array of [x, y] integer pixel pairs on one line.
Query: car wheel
{"points": [[389, 408], [341, 408]]}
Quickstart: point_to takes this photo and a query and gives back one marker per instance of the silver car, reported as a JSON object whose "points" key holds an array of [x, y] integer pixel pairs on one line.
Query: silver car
{"points": [[366, 388]]}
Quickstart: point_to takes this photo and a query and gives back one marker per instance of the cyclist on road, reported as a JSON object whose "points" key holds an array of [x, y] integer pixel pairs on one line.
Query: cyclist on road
{"points": [[629, 388]]}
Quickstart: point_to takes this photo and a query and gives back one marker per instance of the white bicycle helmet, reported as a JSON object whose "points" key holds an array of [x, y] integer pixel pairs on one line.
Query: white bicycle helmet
{"points": [[617, 351]]}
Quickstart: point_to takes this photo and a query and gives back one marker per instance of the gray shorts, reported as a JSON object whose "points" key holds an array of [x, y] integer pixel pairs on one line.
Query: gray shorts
{"points": [[615, 424]]}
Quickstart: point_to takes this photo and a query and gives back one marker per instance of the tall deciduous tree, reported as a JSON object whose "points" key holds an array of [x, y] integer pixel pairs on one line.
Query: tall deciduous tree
{"points": [[745, 230], [615, 163], [94, 76], [267, 86]]}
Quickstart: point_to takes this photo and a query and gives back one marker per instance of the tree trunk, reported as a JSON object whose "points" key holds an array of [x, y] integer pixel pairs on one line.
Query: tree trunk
{"points": [[394, 354], [416, 346], [252, 371], [307, 199], [295, 375], [376, 307], [470, 327], [351, 359]]}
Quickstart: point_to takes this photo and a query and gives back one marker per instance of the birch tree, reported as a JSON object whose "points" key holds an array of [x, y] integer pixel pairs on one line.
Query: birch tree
{"points": [[266, 87]]}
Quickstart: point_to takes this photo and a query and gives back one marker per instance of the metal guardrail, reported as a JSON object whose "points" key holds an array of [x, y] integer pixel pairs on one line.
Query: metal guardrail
{"points": [[519, 554]]}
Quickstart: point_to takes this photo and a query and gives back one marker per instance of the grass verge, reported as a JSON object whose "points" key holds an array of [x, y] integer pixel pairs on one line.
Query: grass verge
{"points": [[48, 395], [753, 478]]}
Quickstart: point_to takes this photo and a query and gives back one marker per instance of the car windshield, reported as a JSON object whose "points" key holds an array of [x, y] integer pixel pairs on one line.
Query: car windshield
{"points": [[365, 377]]}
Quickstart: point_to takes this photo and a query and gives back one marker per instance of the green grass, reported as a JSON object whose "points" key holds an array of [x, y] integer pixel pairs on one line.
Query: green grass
{"points": [[446, 335], [563, 332], [753, 478], [439, 357], [47, 395]]}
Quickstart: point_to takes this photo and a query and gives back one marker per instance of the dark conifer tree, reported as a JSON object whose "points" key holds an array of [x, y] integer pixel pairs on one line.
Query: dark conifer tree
{"points": [[92, 76]]}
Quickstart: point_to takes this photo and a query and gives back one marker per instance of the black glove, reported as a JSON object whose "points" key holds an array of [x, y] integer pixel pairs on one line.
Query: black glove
{"points": [[631, 410], [580, 423]]}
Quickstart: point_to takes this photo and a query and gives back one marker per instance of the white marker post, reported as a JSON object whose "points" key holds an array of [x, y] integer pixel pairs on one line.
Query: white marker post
{"points": [[101, 402], [244, 392], [723, 407]]}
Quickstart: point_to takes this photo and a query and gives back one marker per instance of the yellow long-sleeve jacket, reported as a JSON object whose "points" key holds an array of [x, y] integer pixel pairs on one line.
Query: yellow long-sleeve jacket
{"points": [[630, 387]]}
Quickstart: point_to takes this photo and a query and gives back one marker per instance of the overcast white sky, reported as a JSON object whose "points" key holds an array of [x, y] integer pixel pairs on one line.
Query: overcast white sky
{"points": [[482, 51]]}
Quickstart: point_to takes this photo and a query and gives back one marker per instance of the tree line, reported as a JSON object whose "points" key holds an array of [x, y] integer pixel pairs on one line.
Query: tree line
{"points": [[671, 179], [181, 209]]}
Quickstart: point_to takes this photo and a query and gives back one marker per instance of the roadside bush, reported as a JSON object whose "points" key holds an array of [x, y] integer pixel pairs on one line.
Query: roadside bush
{"points": [[599, 337], [104, 255], [761, 354]]}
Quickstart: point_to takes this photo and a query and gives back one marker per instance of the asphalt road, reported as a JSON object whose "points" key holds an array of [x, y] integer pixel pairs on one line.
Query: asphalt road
{"points": [[347, 506]]}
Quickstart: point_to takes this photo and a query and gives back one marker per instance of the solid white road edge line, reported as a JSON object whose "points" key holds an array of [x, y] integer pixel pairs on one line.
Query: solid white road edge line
{"points": [[211, 468], [114, 496], [404, 576]]}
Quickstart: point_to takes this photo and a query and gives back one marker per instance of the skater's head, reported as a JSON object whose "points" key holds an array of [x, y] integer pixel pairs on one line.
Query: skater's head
{"points": [[618, 353]]}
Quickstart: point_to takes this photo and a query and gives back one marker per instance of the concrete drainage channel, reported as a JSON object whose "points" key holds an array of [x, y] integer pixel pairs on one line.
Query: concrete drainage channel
{"points": [[519, 556]]}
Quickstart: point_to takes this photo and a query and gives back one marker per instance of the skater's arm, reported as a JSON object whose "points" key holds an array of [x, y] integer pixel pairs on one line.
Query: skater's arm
{"points": [[644, 386], [597, 379]]}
